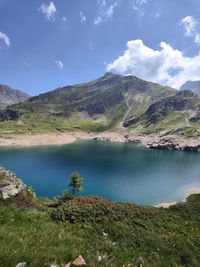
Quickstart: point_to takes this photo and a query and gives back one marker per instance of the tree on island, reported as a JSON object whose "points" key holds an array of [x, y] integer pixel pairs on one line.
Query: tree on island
{"points": [[76, 183]]}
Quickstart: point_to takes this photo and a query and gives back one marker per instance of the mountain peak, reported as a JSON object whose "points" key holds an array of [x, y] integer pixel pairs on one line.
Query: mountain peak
{"points": [[110, 74], [9, 96], [193, 86]]}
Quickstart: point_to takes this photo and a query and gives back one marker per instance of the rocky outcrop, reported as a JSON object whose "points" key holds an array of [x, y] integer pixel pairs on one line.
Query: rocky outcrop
{"points": [[10, 185], [173, 144]]}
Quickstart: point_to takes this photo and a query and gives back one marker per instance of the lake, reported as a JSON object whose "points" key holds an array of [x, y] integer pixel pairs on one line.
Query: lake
{"points": [[115, 171]]}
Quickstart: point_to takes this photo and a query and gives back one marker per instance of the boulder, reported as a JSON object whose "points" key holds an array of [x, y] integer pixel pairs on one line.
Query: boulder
{"points": [[10, 185], [21, 264], [79, 261]]}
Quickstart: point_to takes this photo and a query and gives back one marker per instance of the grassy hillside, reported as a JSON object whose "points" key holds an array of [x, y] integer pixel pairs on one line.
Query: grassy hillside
{"points": [[178, 114], [99, 105], [42, 233]]}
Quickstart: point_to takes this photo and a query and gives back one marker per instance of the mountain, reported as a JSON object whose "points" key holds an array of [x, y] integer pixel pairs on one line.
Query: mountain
{"points": [[178, 114], [194, 86], [9, 96], [98, 105]]}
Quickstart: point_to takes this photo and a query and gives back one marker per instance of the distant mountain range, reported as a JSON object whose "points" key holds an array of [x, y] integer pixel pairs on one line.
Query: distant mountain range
{"points": [[9, 96], [194, 86], [112, 102]]}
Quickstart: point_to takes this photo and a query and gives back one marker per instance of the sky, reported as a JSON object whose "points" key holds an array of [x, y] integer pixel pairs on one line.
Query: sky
{"points": [[47, 44]]}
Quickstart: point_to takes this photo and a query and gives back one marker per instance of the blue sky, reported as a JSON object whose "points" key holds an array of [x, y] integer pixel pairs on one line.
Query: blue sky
{"points": [[47, 44]]}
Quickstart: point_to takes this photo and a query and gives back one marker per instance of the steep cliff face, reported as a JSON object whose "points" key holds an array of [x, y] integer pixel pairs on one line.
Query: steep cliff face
{"points": [[10, 185]]}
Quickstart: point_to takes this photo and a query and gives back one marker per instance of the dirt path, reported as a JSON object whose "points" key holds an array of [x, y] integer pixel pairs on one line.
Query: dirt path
{"points": [[126, 114]]}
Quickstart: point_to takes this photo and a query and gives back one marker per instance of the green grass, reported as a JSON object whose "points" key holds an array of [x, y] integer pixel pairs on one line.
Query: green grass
{"points": [[39, 127], [174, 123], [135, 234]]}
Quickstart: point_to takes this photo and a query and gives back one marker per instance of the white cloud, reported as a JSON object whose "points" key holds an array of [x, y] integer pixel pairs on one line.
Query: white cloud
{"points": [[197, 39], [59, 64], [49, 11], [98, 20], [157, 15], [106, 11], [167, 66], [83, 17], [111, 9], [5, 38], [64, 19], [190, 27], [107, 8], [138, 4]]}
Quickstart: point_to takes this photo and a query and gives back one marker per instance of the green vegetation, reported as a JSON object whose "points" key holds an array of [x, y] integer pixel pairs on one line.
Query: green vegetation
{"points": [[95, 106], [178, 115], [42, 232], [76, 183], [108, 103]]}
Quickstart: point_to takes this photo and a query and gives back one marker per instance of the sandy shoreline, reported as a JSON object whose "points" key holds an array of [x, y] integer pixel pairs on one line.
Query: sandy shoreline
{"points": [[62, 138], [189, 192], [48, 139]]}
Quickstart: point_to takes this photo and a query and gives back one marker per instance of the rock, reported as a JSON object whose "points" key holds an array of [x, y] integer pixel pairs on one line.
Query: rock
{"points": [[194, 148], [21, 264], [173, 144], [79, 261], [105, 256], [9, 184], [105, 234], [102, 257], [99, 258], [134, 141], [129, 122]]}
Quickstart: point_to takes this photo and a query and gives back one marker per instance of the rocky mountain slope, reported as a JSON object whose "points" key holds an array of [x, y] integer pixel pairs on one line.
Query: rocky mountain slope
{"points": [[97, 105], [178, 114], [9, 96], [113, 102], [194, 86]]}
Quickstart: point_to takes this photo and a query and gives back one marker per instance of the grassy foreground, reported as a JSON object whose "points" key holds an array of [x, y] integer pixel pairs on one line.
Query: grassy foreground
{"points": [[42, 232]]}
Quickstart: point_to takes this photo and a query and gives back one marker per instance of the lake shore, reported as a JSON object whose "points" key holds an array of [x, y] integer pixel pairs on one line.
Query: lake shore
{"points": [[61, 138], [189, 192], [26, 140]]}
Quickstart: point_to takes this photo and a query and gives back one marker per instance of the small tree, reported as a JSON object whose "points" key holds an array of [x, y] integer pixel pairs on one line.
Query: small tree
{"points": [[76, 182]]}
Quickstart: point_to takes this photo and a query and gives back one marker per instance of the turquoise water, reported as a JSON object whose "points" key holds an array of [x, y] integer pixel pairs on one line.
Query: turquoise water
{"points": [[119, 172]]}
